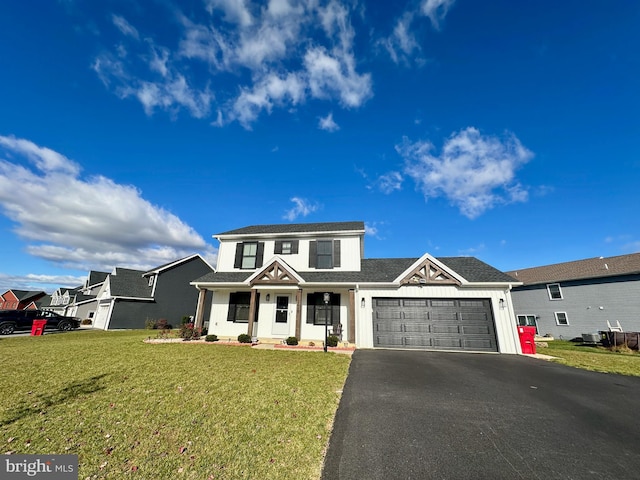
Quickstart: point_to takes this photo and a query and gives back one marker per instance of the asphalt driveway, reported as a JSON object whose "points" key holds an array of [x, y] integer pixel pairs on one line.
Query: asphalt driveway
{"points": [[431, 415]]}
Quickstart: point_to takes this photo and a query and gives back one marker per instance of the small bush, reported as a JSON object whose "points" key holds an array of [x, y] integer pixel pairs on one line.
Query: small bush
{"points": [[332, 341], [188, 332], [292, 341], [86, 321], [211, 338], [150, 324], [312, 344], [161, 324], [244, 338]]}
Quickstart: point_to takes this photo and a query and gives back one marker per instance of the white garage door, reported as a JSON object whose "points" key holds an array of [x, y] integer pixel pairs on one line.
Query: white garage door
{"points": [[434, 324], [101, 315]]}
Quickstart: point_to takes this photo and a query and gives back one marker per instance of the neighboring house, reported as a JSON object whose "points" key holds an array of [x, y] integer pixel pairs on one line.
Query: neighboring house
{"points": [[86, 302], [568, 299], [62, 299], [270, 282], [128, 298], [20, 299]]}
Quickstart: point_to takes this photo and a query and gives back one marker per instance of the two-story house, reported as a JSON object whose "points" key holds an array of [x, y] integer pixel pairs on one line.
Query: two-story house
{"points": [[128, 298], [276, 281], [20, 299], [565, 300]]}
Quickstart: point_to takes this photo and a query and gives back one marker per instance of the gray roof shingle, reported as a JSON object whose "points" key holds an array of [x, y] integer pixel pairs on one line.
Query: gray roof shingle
{"points": [[129, 283], [597, 267], [290, 228], [379, 270]]}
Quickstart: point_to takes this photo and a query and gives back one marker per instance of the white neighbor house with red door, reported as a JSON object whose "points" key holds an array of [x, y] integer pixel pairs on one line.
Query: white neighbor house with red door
{"points": [[270, 282]]}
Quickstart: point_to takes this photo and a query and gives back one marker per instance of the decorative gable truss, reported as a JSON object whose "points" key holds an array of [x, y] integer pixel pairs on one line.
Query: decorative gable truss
{"points": [[428, 272], [275, 272]]}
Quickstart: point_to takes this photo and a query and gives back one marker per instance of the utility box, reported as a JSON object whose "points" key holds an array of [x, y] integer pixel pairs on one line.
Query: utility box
{"points": [[527, 339], [38, 326]]}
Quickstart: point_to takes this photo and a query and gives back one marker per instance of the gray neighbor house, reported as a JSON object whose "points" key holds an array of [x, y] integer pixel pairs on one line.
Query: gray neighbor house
{"points": [[568, 299], [128, 298]]}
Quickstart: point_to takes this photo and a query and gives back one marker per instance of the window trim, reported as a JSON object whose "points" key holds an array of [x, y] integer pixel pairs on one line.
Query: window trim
{"points": [[526, 316], [566, 319], [549, 285]]}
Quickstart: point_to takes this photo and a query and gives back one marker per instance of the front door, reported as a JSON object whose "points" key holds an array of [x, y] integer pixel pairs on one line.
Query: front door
{"points": [[281, 318]]}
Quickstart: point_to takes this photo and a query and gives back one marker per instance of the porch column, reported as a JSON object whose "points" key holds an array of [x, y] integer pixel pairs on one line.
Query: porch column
{"points": [[351, 318], [298, 313], [202, 293], [252, 312]]}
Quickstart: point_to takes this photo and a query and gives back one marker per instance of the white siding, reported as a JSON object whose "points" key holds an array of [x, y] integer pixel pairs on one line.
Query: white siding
{"points": [[350, 254], [506, 331]]}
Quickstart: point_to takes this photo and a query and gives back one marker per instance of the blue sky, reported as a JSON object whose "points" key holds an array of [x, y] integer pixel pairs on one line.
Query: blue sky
{"points": [[132, 131]]}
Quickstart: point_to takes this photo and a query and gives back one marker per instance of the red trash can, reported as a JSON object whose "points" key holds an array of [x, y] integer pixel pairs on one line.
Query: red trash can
{"points": [[38, 327], [527, 339]]}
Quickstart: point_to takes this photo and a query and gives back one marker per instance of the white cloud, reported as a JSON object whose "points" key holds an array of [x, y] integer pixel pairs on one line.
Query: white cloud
{"points": [[474, 171], [302, 207], [278, 55], [436, 10], [389, 182], [35, 282], [125, 27], [327, 123], [87, 223], [235, 11], [402, 43]]}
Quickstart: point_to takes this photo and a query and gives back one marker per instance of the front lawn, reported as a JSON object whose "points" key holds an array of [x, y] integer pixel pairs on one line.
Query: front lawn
{"points": [[598, 359], [165, 411]]}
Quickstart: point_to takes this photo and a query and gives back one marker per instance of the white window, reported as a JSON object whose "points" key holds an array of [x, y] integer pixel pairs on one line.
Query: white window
{"points": [[286, 248], [249, 254], [151, 278], [555, 293], [561, 318]]}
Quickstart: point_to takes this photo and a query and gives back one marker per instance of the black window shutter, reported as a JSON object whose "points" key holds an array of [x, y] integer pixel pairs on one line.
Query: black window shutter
{"points": [[311, 307], [312, 253], [238, 261], [335, 309], [231, 316], [336, 253], [259, 254], [278, 247], [294, 246]]}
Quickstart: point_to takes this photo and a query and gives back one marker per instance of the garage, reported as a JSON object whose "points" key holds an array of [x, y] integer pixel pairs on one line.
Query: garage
{"points": [[434, 324]]}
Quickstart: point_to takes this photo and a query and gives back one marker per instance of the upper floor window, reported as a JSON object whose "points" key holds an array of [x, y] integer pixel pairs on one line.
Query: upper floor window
{"points": [[286, 247], [555, 293], [249, 255], [324, 254]]}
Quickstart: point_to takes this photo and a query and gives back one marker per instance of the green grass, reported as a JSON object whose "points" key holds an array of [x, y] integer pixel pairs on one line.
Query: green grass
{"points": [[597, 359], [164, 411]]}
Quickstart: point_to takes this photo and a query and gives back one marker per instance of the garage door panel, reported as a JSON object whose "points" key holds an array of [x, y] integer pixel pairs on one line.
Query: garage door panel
{"points": [[447, 342], [476, 330], [445, 328], [389, 340], [417, 328], [434, 324], [418, 341]]}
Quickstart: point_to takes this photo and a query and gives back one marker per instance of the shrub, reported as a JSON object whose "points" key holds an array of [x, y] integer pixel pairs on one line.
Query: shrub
{"points": [[86, 321], [161, 324], [312, 344], [332, 341], [211, 338], [188, 332], [244, 338], [150, 324], [292, 341]]}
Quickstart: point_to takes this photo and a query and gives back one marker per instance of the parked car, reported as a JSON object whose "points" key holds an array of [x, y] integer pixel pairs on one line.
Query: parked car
{"points": [[12, 320]]}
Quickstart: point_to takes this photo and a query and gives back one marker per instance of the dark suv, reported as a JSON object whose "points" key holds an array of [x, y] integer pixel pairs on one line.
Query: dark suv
{"points": [[11, 320]]}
